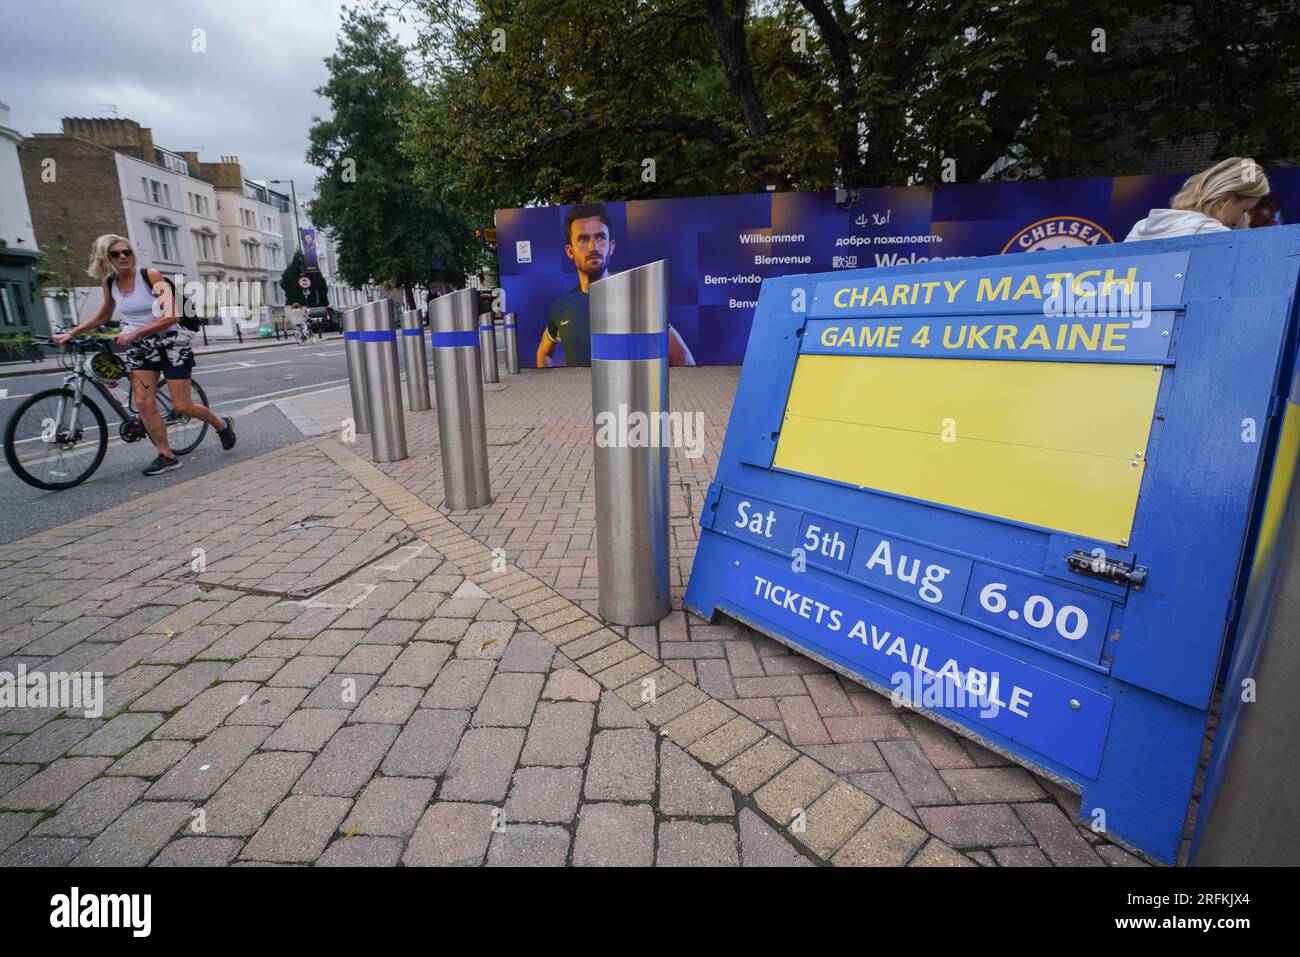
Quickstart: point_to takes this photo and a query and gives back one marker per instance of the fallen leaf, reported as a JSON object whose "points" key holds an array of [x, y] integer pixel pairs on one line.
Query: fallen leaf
{"points": [[167, 632], [490, 641], [352, 831]]}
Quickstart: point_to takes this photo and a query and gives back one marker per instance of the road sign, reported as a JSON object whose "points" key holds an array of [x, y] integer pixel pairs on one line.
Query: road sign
{"points": [[304, 282], [1017, 493]]}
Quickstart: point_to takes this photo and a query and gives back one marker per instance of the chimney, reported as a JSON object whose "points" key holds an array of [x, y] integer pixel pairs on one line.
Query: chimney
{"points": [[121, 135]]}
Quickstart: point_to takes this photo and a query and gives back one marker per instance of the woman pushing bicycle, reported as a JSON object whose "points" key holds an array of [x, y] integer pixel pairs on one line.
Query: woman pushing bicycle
{"points": [[155, 343]]}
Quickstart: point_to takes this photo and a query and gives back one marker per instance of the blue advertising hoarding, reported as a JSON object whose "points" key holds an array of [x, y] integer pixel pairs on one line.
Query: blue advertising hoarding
{"points": [[1044, 547], [721, 248]]}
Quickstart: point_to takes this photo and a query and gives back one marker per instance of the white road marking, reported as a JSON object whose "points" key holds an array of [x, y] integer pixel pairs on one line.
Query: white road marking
{"points": [[412, 550], [115, 440], [323, 600], [240, 365], [331, 385]]}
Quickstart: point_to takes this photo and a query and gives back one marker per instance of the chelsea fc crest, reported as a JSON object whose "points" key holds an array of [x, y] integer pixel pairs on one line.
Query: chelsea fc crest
{"points": [[1057, 232]]}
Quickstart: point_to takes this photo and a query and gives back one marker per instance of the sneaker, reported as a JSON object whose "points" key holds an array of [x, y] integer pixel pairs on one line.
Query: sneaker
{"points": [[163, 464], [227, 435]]}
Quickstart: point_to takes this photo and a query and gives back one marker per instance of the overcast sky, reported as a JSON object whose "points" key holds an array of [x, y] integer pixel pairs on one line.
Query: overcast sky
{"points": [[250, 95]]}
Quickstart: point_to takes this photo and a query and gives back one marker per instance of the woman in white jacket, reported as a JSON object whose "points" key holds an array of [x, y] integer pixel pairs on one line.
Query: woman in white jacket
{"points": [[1215, 201]]}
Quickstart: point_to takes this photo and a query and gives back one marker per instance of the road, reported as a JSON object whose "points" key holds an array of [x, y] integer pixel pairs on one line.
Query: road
{"points": [[242, 384]]}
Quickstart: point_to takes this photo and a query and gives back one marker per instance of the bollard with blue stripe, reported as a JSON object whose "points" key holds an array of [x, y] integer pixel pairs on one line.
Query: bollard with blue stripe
{"points": [[629, 400], [417, 361], [376, 323], [462, 428], [356, 370], [511, 330], [487, 347]]}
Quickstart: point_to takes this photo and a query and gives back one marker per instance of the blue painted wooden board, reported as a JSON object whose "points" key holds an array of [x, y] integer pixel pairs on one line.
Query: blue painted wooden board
{"points": [[1118, 708]]}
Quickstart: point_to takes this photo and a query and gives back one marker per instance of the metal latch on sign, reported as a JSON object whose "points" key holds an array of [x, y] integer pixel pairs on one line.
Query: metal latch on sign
{"points": [[1107, 569]]}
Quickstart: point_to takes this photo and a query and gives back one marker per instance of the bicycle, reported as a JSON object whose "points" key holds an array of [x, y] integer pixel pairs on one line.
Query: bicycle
{"points": [[48, 444], [301, 334]]}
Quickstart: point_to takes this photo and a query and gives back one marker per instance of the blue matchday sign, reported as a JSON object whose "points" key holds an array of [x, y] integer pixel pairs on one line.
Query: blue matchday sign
{"points": [[722, 248], [996, 493], [927, 665]]}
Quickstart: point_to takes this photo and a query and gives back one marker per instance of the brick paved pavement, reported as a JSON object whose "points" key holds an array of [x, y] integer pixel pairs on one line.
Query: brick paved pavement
{"points": [[351, 678], [418, 710], [543, 516]]}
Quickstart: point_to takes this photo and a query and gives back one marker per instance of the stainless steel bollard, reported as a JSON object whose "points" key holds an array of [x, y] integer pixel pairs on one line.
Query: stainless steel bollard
{"points": [[512, 344], [416, 361], [356, 370], [487, 347], [378, 344], [462, 429], [629, 386]]}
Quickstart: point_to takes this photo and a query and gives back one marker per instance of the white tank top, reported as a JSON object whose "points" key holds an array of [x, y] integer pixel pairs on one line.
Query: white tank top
{"points": [[135, 309]]}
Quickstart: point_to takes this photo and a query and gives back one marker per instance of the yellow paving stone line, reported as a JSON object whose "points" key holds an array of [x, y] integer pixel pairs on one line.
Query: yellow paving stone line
{"points": [[836, 821]]}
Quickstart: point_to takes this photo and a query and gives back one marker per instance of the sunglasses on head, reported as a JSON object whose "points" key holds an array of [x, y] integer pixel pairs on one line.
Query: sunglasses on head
{"points": [[120, 253]]}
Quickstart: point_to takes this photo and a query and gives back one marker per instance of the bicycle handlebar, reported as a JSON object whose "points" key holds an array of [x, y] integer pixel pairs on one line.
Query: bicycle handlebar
{"points": [[100, 343]]}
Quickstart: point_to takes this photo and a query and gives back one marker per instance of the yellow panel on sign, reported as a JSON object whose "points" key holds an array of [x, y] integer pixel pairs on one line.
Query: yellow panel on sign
{"points": [[1061, 445]]}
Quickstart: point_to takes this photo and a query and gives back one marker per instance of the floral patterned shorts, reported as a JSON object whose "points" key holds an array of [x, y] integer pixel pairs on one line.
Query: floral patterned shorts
{"points": [[166, 352]]}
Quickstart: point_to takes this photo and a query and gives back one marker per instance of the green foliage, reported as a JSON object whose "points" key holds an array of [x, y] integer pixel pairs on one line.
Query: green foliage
{"points": [[317, 295], [388, 230], [725, 96], [60, 270], [13, 347]]}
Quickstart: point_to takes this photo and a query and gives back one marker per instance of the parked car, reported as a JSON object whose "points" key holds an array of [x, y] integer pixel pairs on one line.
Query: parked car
{"points": [[322, 319]]}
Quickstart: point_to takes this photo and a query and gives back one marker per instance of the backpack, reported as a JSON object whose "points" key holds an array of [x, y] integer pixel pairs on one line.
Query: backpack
{"points": [[187, 311]]}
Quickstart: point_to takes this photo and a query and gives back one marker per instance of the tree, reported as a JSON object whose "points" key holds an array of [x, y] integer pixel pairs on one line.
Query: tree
{"points": [[316, 295], [539, 101], [389, 230]]}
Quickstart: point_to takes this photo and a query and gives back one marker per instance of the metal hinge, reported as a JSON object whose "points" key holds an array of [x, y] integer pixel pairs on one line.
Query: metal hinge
{"points": [[1107, 569]]}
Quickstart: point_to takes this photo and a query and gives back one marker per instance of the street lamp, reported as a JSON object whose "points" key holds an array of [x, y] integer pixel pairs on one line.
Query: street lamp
{"points": [[296, 228]]}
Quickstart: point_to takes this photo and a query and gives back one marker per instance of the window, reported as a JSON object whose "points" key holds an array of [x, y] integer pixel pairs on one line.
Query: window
{"points": [[155, 190], [8, 305], [166, 242], [202, 244]]}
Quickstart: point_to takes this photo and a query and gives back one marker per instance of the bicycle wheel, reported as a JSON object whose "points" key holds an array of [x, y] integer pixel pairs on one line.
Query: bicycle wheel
{"points": [[40, 456], [183, 433]]}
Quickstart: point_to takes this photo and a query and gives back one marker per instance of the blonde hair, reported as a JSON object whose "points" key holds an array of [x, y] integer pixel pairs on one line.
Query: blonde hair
{"points": [[101, 265], [1207, 191]]}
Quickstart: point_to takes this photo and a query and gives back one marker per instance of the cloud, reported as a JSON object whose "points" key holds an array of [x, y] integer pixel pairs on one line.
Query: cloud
{"points": [[251, 94]]}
